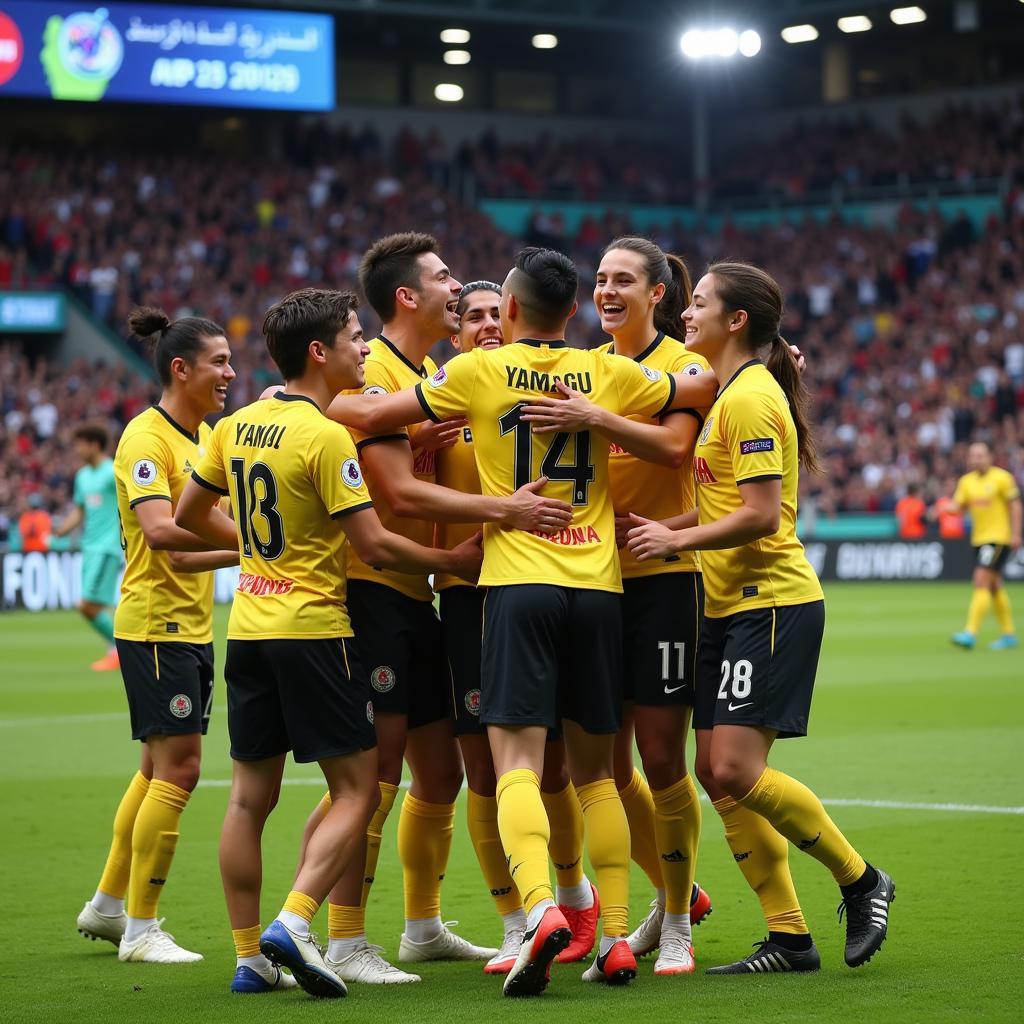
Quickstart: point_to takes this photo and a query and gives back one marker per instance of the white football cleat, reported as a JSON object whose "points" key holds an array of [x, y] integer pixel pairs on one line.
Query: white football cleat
{"points": [[155, 946], [647, 936], [445, 945], [675, 955], [94, 925], [367, 966], [505, 958]]}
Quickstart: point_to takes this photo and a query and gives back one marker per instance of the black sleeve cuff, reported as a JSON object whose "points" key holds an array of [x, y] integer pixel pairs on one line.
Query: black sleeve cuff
{"points": [[671, 394], [341, 513], [695, 413], [380, 439], [149, 497], [426, 408], [206, 483], [758, 479]]}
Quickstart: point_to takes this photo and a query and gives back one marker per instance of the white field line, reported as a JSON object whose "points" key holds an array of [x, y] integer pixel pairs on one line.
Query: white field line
{"points": [[47, 720]]}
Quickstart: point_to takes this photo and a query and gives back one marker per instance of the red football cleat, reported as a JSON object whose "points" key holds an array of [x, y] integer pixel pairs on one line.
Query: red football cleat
{"points": [[616, 967], [584, 930], [532, 970], [700, 904]]}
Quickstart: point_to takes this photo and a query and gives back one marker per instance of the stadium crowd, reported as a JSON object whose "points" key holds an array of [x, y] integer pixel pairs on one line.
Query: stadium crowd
{"points": [[914, 330]]}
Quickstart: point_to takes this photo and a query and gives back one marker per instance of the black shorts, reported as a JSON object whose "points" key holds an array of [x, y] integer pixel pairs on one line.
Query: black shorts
{"points": [[401, 646], [462, 610], [552, 652], [661, 618], [757, 668], [169, 686], [307, 696], [991, 556]]}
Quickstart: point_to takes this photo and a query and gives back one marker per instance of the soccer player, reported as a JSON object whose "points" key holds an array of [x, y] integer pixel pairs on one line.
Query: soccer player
{"points": [[552, 632], [95, 499], [992, 498], [163, 627], [297, 495], [764, 612]]}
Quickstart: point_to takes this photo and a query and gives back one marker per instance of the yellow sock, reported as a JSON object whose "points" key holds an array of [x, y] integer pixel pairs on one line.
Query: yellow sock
{"points": [[608, 845], [482, 819], [677, 829], [1004, 613], [154, 839], [798, 814], [424, 839], [565, 822], [523, 827], [981, 598], [301, 904], [643, 844], [763, 857], [114, 880], [246, 940], [374, 833], [345, 922]]}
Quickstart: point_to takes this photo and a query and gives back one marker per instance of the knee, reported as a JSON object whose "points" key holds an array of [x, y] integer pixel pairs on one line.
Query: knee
{"points": [[663, 764], [705, 776], [389, 766], [732, 774], [184, 773], [480, 779], [556, 775]]}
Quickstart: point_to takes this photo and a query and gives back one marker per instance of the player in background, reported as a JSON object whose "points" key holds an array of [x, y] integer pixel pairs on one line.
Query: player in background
{"points": [[397, 629], [992, 498], [462, 622], [163, 627], [95, 501], [552, 633], [293, 681], [764, 614], [640, 294]]}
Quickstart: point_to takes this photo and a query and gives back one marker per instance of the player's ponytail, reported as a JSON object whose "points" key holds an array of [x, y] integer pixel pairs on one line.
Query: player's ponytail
{"points": [[171, 339], [661, 268], [746, 287]]}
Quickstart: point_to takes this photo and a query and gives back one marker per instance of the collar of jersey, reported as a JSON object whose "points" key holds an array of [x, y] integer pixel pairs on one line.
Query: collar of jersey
{"points": [[534, 343], [658, 339], [282, 397], [745, 366], [177, 426], [408, 362]]}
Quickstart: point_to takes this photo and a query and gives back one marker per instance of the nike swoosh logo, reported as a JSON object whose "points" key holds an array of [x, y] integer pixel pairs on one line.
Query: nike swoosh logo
{"points": [[674, 688], [736, 707]]}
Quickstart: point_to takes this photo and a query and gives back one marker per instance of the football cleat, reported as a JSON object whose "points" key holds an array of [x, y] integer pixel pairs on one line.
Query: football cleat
{"points": [[502, 961], [366, 965], [647, 936], [1007, 642], [94, 925], [531, 972], [770, 958], [155, 946], [302, 957], [249, 981], [445, 945], [583, 925], [963, 639], [675, 955], [616, 967], [700, 905], [867, 920], [110, 662]]}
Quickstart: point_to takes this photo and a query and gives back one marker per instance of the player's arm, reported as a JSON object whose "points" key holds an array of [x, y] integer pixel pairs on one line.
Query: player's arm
{"points": [[201, 561], [199, 513], [389, 463], [71, 521], [377, 414], [162, 533], [386, 550]]}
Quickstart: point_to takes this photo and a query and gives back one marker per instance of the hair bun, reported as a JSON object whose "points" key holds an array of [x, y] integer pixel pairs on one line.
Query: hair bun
{"points": [[147, 320]]}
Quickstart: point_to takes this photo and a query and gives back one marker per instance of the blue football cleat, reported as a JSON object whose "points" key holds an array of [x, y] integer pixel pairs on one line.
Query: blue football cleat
{"points": [[246, 980], [1007, 642], [964, 639], [302, 957]]}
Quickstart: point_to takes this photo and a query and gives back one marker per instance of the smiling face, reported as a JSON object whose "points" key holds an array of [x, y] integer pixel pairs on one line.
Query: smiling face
{"points": [[623, 295], [438, 295], [708, 323], [343, 364], [480, 325], [206, 380]]}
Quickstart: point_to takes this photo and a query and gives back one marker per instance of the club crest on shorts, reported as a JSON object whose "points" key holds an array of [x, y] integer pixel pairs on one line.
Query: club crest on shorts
{"points": [[369, 711], [382, 679], [181, 705], [144, 472], [351, 474], [472, 702]]}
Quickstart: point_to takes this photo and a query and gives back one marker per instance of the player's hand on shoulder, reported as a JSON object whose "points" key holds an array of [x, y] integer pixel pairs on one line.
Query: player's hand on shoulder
{"points": [[468, 557], [435, 437], [570, 414], [801, 363], [648, 539], [530, 510]]}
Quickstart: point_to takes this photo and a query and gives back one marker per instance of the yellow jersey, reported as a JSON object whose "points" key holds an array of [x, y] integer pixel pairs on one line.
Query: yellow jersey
{"points": [[456, 468], [387, 371], [749, 435], [645, 488], [291, 474], [490, 388], [987, 497], [154, 459]]}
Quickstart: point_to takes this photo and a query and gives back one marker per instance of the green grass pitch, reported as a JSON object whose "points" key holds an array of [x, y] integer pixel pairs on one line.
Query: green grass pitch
{"points": [[899, 716]]}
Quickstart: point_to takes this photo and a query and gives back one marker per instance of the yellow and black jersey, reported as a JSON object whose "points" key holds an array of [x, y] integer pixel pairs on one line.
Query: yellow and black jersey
{"points": [[749, 435], [987, 497], [154, 459], [490, 388], [456, 468], [649, 490], [291, 474], [387, 371]]}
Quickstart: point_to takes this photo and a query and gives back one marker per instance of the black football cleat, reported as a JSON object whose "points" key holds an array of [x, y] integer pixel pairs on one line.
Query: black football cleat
{"points": [[867, 920], [771, 958]]}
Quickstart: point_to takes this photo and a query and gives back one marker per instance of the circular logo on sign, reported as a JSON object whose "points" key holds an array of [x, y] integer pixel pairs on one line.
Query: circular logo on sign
{"points": [[375, 389], [90, 46], [181, 706], [12, 49], [692, 369], [144, 472], [382, 679], [369, 711], [350, 473], [473, 702]]}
